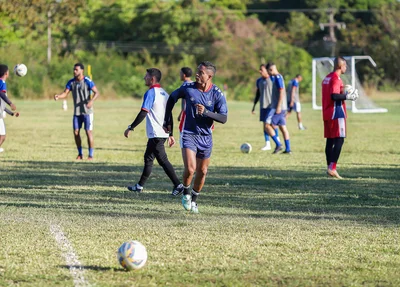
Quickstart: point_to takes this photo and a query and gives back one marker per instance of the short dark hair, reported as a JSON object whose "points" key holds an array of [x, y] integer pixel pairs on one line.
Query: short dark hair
{"points": [[3, 70], [80, 65], [187, 71], [262, 65], [298, 75], [209, 66], [269, 65], [153, 72]]}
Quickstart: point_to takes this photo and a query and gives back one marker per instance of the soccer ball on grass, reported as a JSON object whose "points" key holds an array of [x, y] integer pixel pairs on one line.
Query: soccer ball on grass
{"points": [[245, 148], [20, 70], [132, 255]]}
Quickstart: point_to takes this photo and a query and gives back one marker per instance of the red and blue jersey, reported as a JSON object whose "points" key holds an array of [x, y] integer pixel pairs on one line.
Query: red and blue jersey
{"points": [[213, 100], [332, 84]]}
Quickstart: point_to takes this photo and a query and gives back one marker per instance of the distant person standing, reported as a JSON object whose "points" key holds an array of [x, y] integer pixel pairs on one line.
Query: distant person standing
{"points": [[4, 74], [263, 94], [293, 99], [153, 110], [81, 88], [334, 114], [185, 76], [277, 116]]}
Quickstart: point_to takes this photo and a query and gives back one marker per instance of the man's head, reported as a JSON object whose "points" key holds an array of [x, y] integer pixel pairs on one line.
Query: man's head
{"points": [[299, 78], [205, 72], [78, 70], [4, 73], [152, 77], [186, 72], [263, 71], [340, 65], [272, 69]]}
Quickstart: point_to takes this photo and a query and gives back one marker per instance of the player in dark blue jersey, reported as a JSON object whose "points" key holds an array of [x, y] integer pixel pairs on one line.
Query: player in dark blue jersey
{"points": [[4, 73], [84, 93], [205, 103]]}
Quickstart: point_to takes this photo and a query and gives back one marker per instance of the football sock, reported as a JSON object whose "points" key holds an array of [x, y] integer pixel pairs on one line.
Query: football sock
{"points": [[287, 145], [91, 150], [80, 150], [276, 140], [276, 133], [186, 190], [195, 194], [332, 166], [266, 136]]}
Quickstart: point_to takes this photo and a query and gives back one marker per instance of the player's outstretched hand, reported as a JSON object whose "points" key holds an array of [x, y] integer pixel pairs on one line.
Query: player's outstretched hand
{"points": [[13, 107], [171, 141], [127, 132]]}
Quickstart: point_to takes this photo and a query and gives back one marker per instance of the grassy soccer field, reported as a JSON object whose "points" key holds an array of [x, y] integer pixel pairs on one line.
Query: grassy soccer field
{"points": [[266, 220]]}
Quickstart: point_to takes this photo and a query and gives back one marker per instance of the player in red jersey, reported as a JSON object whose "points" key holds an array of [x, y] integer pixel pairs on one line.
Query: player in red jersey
{"points": [[334, 113]]}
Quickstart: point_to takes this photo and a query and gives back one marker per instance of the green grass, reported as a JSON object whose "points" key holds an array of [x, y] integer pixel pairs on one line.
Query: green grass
{"points": [[266, 220]]}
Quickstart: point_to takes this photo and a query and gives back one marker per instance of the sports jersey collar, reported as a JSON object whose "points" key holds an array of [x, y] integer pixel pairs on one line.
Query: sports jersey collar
{"points": [[209, 89], [155, 86]]}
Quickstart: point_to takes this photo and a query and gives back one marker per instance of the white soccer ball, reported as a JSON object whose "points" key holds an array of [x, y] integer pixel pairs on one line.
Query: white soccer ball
{"points": [[348, 89], [20, 70], [245, 148], [132, 255]]}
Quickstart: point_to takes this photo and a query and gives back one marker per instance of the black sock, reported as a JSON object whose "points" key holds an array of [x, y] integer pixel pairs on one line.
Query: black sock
{"points": [[186, 190], [195, 194]]}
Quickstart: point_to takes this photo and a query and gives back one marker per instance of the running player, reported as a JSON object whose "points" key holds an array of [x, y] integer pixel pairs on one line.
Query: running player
{"points": [[205, 103], [277, 114], [334, 114], [293, 99], [4, 74], [263, 93], [81, 88], [153, 109]]}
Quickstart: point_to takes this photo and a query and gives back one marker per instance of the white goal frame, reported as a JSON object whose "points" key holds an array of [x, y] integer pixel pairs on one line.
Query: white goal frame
{"points": [[352, 60]]}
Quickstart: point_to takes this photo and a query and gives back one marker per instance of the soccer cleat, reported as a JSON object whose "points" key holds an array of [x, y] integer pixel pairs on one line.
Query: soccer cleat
{"points": [[79, 156], [194, 209], [287, 152], [187, 202], [90, 158], [277, 149], [267, 146], [177, 190], [135, 188], [1, 149], [333, 173], [302, 128]]}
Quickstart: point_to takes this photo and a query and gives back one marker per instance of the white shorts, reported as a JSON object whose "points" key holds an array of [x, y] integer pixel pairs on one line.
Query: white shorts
{"points": [[2, 128]]}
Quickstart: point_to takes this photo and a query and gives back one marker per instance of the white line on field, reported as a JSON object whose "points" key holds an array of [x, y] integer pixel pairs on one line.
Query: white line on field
{"points": [[71, 259]]}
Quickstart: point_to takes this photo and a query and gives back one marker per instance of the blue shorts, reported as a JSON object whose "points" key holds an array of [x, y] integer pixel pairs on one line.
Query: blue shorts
{"points": [[200, 144], [77, 122], [271, 113], [279, 119], [264, 114]]}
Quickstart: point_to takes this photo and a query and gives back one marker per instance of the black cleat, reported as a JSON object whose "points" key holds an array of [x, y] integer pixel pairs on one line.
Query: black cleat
{"points": [[177, 190], [135, 188], [277, 149]]}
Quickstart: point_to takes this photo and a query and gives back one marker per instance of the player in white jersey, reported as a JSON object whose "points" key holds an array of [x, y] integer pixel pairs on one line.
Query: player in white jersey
{"points": [[153, 109]]}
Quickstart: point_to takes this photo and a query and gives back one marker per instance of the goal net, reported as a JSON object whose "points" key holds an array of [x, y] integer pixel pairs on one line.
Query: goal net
{"points": [[323, 66]]}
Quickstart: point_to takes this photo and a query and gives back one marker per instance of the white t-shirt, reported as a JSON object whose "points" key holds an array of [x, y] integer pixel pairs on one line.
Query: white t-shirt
{"points": [[154, 103]]}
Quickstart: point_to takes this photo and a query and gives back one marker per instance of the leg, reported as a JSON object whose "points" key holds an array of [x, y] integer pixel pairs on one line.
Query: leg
{"points": [[2, 132], [201, 172], [2, 139], [337, 148], [329, 150], [163, 161], [286, 137], [189, 161], [89, 134], [266, 137], [148, 162], [78, 142]]}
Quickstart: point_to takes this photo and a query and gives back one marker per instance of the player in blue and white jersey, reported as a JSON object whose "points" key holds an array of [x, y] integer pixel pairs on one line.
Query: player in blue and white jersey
{"points": [[84, 93], [205, 103], [153, 109], [263, 94], [4, 74], [293, 99], [277, 115]]}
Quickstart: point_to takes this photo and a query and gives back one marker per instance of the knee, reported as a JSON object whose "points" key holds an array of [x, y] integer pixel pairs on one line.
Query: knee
{"points": [[191, 170], [202, 171], [76, 133]]}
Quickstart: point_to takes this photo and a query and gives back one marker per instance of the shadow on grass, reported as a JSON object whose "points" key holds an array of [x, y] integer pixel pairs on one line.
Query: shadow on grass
{"points": [[93, 267], [365, 195]]}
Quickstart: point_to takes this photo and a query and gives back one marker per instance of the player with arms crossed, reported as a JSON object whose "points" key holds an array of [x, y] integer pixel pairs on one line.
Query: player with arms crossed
{"points": [[334, 113], [263, 94], [4, 74], [205, 103], [81, 88], [277, 115], [294, 100], [153, 109]]}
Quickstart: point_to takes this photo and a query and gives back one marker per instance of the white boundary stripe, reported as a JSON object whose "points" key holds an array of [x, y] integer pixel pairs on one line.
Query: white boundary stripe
{"points": [[71, 259]]}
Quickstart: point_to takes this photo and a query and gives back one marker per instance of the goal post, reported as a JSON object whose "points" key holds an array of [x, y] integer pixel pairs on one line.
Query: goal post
{"points": [[323, 66]]}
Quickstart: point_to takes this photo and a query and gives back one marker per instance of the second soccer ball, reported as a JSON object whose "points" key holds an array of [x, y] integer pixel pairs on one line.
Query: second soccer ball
{"points": [[20, 70]]}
